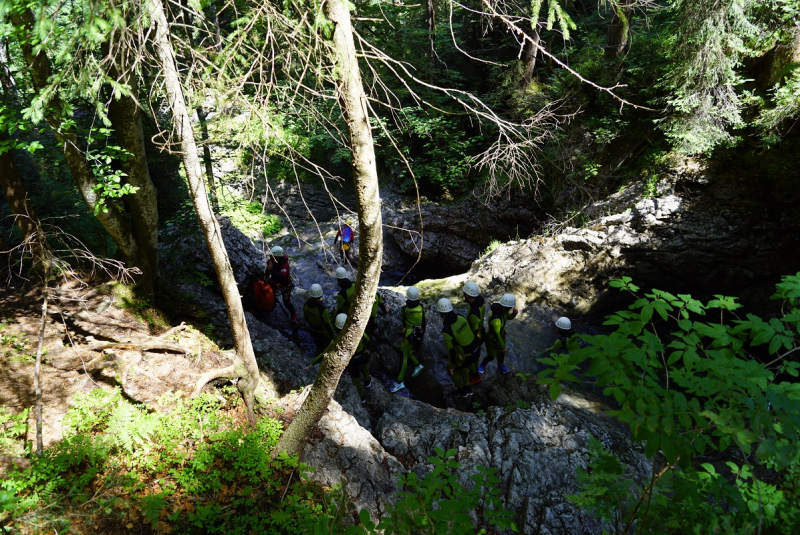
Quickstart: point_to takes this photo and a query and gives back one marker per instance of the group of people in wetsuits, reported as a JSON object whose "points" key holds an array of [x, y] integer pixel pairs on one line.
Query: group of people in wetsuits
{"points": [[464, 336]]}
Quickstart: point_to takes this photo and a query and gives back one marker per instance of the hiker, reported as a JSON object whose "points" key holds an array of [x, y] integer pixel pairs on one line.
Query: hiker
{"points": [[347, 290], [259, 299], [475, 315], [563, 330], [318, 318], [414, 325], [358, 367], [461, 345], [347, 235], [281, 279], [502, 311]]}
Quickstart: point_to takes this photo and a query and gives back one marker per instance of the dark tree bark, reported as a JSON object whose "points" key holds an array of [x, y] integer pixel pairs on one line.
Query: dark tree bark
{"points": [[24, 215], [353, 103], [619, 29], [529, 51], [430, 19], [126, 117], [245, 364]]}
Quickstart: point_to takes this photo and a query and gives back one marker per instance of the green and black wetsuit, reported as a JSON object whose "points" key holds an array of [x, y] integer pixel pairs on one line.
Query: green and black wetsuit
{"points": [[477, 311], [496, 339], [319, 320], [413, 317], [461, 346]]}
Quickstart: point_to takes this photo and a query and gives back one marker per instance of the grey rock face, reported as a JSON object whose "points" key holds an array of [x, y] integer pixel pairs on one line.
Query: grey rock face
{"points": [[703, 237], [454, 236], [537, 452]]}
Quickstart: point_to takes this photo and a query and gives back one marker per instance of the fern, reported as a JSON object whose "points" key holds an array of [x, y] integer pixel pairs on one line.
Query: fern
{"points": [[132, 426]]}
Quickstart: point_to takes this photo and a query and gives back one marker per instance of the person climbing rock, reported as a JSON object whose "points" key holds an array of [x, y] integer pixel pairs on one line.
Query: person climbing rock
{"points": [[475, 315], [347, 235], [501, 312], [280, 278], [563, 330], [461, 345], [412, 316], [318, 318], [358, 367]]}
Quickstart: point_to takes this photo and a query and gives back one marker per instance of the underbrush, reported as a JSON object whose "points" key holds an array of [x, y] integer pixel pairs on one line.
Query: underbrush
{"points": [[190, 466]]}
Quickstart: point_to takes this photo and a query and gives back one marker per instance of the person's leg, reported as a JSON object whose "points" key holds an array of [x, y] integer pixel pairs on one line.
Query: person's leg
{"points": [[287, 302], [406, 351]]}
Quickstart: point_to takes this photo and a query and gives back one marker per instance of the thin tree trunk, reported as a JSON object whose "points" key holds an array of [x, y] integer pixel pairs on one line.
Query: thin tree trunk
{"points": [[6, 79], [114, 221], [430, 19], [245, 362], [353, 104], [619, 29], [126, 117], [212, 15], [201, 115], [37, 386]]}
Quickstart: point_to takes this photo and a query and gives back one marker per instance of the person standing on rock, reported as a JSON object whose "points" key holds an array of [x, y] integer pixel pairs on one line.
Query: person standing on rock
{"points": [[345, 298], [475, 315], [358, 368], [347, 235], [281, 279], [318, 318], [496, 348], [346, 291], [461, 344], [414, 326]]}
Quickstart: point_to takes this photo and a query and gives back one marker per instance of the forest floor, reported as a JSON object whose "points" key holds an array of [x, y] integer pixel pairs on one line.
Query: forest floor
{"points": [[96, 335]]}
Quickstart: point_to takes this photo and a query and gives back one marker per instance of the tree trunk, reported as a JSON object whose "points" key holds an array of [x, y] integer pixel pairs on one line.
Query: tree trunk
{"points": [[353, 103], [40, 71], [430, 19], [6, 79], [201, 116], [126, 117], [619, 29], [245, 363], [529, 51], [24, 214]]}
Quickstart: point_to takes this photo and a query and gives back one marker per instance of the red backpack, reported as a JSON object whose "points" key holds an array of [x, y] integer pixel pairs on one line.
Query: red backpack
{"points": [[265, 295]]}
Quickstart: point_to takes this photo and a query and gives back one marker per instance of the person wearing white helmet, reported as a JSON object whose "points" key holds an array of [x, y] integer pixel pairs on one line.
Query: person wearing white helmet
{"points": [[461, 344], [412, 315], [344, 300], [318, 318], [496, 347], [280, 278], [563, 329], [475, 318], [358, 367], [347, 235]]}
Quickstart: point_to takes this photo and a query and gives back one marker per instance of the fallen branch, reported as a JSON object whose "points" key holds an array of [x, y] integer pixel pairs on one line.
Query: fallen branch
{"points": [[147, 346], [210, 375]]}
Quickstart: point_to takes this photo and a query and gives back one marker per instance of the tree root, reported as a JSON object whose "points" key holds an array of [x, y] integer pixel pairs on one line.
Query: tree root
{"points": [[210, 375]]}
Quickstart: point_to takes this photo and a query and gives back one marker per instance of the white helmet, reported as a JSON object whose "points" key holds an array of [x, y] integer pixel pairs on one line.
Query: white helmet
{"points": [[340, 319], [563, 323], [277, 251], [341, 273], [471, 289], [508, 301], [315, 290], [444, 305], [412, 293]]}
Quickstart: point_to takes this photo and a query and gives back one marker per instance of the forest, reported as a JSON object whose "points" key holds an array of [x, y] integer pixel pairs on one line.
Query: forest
{"points": [[370, 267]]}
